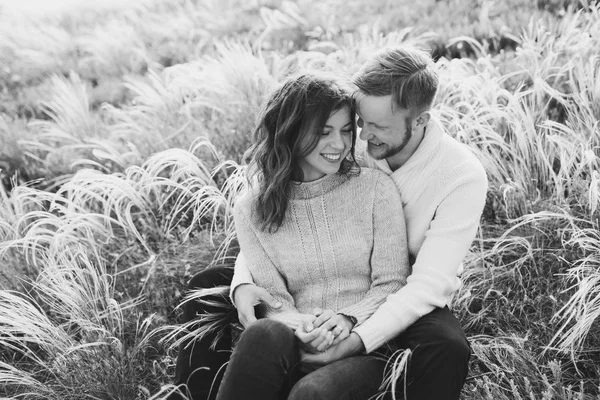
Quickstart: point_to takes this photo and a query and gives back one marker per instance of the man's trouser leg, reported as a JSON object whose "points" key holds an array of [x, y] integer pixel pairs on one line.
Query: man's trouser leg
{"points": [[437, 368], [198, 366], [439, 363]]}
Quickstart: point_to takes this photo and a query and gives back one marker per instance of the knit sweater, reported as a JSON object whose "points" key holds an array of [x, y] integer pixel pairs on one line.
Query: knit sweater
{"points": [[342, 246], [443, 188]]}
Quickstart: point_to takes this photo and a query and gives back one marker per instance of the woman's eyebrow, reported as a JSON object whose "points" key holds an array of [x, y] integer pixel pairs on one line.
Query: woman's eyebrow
{"points": [[329, 126]]}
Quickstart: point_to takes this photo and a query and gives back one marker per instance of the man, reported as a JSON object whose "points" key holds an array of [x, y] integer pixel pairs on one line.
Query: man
{"points": [[443, 189]]}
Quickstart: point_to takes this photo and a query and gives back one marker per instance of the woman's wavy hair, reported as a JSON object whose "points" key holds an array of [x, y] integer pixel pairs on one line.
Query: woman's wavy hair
{"points": [[288, 127]]}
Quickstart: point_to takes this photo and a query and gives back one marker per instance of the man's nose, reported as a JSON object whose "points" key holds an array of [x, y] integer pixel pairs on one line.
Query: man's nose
{"points": [[365, 134]]}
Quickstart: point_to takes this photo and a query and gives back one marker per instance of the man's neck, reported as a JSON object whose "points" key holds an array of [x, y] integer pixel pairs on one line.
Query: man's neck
{"points": [[398, 160]]}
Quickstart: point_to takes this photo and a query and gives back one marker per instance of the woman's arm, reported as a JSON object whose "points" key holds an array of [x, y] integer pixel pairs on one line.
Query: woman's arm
{"points": [[264, 272]]}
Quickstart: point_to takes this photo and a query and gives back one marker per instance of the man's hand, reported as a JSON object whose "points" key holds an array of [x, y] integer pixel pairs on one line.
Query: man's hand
{"points": [[246, 296], [315, 341], [351, 346], [338, 324]]}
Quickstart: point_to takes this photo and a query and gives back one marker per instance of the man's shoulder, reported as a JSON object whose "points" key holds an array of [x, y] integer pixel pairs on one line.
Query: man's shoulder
{"points": [[458, 158]]}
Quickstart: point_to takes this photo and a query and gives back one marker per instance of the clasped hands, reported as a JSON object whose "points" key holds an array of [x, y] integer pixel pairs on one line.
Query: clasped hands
{"points": [[322, 329], [321, 345]]}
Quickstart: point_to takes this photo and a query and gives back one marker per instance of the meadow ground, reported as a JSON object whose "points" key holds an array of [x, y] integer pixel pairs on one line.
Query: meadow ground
{"points": [[121, 130]]}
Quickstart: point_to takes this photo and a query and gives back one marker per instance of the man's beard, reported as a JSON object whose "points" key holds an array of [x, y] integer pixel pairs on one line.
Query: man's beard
{"points": [[392, 151]]}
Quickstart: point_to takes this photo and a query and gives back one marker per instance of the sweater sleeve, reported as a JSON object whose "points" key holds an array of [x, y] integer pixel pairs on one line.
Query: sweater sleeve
{"points": [[262, 269], [389, 256], [241, 274], [434, 275]]}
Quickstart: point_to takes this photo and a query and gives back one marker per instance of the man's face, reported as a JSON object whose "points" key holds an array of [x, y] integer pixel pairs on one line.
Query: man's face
{"points": [[386, 130]]}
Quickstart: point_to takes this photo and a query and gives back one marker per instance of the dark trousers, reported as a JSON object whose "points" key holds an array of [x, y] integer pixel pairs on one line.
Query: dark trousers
{"points": [[200, 366], [264, 364], [437, 368]]}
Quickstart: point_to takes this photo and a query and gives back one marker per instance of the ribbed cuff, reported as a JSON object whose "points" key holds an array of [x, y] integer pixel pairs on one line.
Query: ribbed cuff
{"points": [[374, 333], [236, 283]]}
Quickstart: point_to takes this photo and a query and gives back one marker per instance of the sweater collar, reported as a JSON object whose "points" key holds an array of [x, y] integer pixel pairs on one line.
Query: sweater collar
{"points": [[308, 190], [427, 148]]}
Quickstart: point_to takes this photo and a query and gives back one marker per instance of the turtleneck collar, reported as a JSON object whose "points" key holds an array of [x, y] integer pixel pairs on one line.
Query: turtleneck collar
{"points": [[428, 146], [308, 190]]}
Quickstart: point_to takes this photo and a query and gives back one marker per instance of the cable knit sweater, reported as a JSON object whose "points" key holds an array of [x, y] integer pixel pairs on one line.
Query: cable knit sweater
{"points": [[342, 246], [443, 188]]}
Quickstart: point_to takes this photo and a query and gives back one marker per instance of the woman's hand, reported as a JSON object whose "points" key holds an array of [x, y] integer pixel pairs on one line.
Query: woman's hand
{"points": [[351, 346], [326, 330], [338, 324], [314, 341]]}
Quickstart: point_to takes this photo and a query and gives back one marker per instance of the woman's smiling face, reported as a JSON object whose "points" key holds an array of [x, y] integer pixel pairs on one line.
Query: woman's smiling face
{"points": [[333, 147]]}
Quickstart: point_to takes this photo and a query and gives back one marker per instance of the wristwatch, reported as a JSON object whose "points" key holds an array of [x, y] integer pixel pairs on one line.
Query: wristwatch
{"points": [[351, 318]]}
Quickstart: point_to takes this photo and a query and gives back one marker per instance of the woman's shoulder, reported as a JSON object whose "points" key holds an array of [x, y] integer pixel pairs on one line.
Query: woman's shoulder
{"points": [[372, 177], [244, 201]]}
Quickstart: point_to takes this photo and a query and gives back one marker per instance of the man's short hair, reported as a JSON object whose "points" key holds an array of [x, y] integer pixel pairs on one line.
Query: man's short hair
{"points": [[406, 73]]}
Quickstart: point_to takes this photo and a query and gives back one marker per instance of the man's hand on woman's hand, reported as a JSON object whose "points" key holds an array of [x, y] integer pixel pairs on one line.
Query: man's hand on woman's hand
{"points": [[338, 324], [326, 330], [315, 340], [246, 296], [348, 347]]}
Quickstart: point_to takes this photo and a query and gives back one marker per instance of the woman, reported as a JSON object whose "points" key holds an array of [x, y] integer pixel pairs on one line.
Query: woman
{"points": [[315, 231]]}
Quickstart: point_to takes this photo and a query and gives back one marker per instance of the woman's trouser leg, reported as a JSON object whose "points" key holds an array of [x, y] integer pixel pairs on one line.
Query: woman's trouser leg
{"points": [[353, 378], [262, 364], [199, 366]]}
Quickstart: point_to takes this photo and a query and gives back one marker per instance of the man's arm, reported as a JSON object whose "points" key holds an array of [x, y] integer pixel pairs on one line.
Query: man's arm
{"points": [[241, 275], [433, 278]]}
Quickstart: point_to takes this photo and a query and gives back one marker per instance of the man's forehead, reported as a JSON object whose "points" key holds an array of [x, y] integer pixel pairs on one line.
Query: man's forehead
{"points": [[374, 107]]}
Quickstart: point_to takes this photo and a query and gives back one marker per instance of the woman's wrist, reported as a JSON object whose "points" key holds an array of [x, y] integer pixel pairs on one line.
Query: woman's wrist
{"points": [[350, 321]]}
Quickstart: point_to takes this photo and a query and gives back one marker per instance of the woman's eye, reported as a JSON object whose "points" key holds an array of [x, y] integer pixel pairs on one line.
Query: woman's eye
{"points": [[325, 133], [347, 132]]}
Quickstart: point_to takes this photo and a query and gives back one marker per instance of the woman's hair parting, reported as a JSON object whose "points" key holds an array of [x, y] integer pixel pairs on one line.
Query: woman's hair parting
{"points": [[288, 127]]}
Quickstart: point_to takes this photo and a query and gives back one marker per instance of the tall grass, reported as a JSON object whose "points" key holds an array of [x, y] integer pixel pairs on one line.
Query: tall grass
{"points": [[70, 310]]}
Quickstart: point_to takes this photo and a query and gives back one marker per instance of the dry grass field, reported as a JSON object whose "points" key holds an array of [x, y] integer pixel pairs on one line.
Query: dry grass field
{"points": [[121, 130]]}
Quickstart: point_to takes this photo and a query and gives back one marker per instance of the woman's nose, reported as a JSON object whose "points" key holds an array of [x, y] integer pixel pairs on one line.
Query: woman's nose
{"points": [[337, 141]]}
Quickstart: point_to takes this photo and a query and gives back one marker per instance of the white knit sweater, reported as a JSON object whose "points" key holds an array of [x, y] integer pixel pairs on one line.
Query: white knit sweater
{"points": [[342, 246], [443, 188]]}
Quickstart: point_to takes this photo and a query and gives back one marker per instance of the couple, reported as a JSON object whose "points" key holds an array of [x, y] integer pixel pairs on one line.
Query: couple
{"points": [[350, 262]]}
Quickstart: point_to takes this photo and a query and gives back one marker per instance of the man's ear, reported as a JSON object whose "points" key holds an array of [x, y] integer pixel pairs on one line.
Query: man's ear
{"points": [[422, 119]]}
